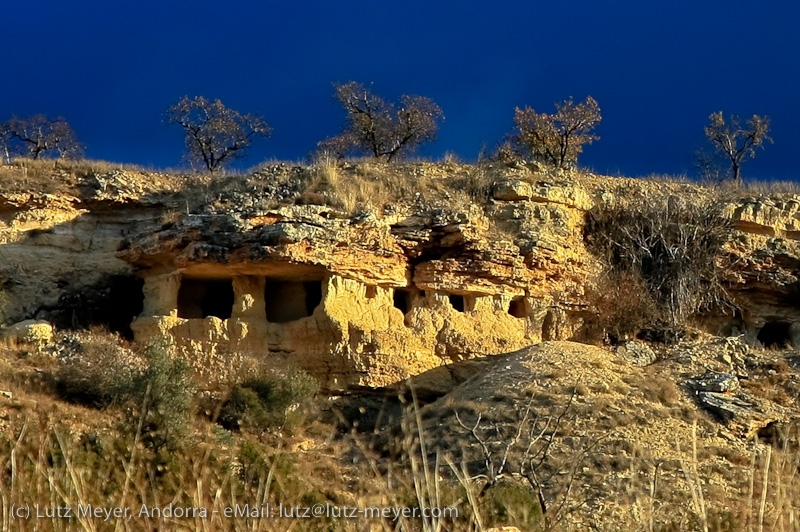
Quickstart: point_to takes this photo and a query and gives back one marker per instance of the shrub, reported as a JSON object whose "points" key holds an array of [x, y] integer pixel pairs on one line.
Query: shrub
{"points": [[96, 370], [215, 134], [736, 142], [672, 243], [38, 136], [377, 127], [559, 138], [621, 306], [163, 397], [512, 503], [267, 401]]}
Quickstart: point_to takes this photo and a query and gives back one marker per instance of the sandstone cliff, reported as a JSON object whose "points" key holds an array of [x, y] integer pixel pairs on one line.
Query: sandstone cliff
{"points": [[360, 298]]}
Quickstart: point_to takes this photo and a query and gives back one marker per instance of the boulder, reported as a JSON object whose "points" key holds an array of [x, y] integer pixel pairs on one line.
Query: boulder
{"points": [[512, 190], [728, 407], [717, 382], [30, 332], [637, 353]]}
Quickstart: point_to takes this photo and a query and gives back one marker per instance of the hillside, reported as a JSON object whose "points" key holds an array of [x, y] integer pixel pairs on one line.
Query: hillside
{"points": [[498, 338]]}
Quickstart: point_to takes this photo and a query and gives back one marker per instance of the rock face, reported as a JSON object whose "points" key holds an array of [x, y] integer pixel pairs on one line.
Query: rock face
{"points": [[357, 300], [56, 249], [364, 302], [766, 278]]}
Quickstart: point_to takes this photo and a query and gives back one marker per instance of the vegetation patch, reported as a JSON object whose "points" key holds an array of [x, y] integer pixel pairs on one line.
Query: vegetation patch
{"points": [[670, 245], [267, 401]]}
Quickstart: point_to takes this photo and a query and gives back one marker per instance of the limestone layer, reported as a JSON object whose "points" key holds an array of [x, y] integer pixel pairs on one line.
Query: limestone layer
{"points": [[357, 300], [398, 295]]}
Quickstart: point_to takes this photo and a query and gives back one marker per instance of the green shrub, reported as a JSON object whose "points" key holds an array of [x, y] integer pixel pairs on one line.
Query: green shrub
{"points": [[161, 406], [267, 401], [510, 503]]}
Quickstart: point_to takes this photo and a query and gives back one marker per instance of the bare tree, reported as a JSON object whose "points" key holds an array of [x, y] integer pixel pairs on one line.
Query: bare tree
{"points": [[707, 166], [215, 134], [38, 136], [376, 127], [558, 138], [735, 141], [525, 447]]}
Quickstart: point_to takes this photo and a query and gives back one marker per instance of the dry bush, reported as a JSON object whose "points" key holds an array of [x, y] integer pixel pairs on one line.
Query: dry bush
{"points": [[621, 306], [97, 369], [673, 243], [656, 388]]}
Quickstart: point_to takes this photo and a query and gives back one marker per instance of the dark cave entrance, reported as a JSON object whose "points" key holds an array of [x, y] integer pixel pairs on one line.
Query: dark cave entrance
{"points": [[775, 334], [287, 301], [127, 302], [457, 302], [517, 307], [113, 302], [402, 299], [201, 298]]}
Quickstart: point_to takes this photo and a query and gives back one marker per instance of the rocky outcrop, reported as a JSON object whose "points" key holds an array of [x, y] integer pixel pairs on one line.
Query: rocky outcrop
{"points": [[765, 251], [362, 299], [57, 251], [398, 294]]}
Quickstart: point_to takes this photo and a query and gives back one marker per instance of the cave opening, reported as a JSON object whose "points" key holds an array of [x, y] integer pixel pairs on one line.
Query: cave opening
{"points": [[113, 302], [127, 302], [517, 307], [457, 302], [289, 300], [201, 298], [775, 334], [402, 299]]}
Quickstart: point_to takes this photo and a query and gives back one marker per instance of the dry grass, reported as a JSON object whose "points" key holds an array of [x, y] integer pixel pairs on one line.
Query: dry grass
{"points": [[57, 454], [67, 176], [381, 187], [64, 454]]}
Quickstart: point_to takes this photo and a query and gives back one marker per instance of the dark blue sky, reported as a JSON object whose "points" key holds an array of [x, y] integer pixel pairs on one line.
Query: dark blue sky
{"points": [[657, 69]]}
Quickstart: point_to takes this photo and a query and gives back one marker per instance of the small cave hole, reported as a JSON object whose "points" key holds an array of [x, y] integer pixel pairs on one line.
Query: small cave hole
{"points": [[201, 298], [287, 301], [371, 291], [775, 334], [457, 302], [402, 300], [517, 307]]}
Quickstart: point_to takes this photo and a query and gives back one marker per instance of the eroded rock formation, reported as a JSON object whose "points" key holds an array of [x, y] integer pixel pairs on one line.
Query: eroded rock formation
{"points": [[370, 301], [366, 299]]}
